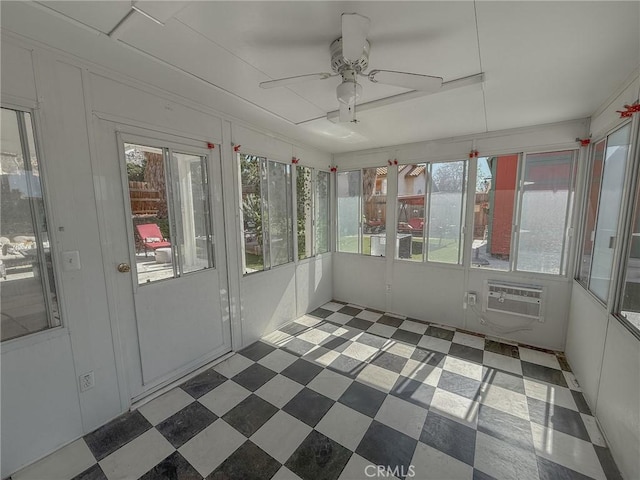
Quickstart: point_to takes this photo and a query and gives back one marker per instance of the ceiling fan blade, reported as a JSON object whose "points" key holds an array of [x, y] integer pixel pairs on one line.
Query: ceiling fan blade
{"points": [[347, 113], [412, 81], [355, 29], [294, 80]]}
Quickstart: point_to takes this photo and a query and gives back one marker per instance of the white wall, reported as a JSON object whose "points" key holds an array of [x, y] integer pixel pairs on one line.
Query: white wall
{"points": [[436, 292], [603, 354], [42, 408]]}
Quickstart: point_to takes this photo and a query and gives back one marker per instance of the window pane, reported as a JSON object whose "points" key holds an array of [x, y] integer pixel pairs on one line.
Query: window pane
{"points": [[590, 213], [631, 292], [348, 193], [545, 197], [194, 222], [150, 212], [27, 285], [615, 160], [304, 210], [374, 201], [252, 176], [493, 211], [280, 213], [322, 212], [412, 185], [445, 211]]}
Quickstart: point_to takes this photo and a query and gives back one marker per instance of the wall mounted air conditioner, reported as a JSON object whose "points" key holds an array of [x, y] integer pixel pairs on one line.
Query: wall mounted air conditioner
{"points": [[515, 299]]}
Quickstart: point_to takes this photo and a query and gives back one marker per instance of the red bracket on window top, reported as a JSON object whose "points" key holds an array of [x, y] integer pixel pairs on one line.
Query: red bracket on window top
{"points": [[211, 146], [583, 141], [295, 160], [236, 148], [333, 168], [629, 110], [392, 162], [474, 154]]}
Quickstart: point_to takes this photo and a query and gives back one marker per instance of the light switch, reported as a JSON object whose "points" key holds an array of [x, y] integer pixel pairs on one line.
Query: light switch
{"points": [[71, 260]]}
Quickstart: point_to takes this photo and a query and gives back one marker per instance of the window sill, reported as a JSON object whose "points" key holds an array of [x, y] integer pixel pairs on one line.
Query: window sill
{"points": [[33, 339]]}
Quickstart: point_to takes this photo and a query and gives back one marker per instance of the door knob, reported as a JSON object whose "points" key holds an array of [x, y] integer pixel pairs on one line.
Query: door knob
{"points": [[124, 268]]}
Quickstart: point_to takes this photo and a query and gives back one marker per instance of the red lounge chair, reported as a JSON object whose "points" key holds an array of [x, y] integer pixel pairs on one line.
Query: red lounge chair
{"points": [[151, 237]]}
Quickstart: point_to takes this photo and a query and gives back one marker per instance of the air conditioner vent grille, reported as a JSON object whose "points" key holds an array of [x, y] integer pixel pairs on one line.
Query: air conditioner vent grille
{"points": [[514, 299]]}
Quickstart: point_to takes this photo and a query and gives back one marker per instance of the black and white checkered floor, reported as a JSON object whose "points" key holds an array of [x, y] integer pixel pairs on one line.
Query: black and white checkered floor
{"points": [[352, 393]]}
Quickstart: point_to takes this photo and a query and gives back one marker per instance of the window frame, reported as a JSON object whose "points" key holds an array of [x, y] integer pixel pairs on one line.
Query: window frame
{"points": [[58, 328], [313, 211], [337, 219]]}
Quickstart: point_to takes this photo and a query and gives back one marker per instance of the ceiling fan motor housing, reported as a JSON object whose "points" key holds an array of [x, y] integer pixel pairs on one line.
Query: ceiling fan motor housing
{"points": [[339, 63]]}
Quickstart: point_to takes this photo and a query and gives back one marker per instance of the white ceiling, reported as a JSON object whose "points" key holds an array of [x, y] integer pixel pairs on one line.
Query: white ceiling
{"points": [[543, 61]]}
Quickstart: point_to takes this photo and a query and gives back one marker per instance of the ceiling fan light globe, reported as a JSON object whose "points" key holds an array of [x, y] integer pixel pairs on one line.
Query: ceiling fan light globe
{"points": [[349, 92]]}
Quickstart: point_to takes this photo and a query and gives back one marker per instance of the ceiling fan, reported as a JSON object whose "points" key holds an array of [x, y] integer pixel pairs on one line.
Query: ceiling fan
{"points": [[350, 59]]}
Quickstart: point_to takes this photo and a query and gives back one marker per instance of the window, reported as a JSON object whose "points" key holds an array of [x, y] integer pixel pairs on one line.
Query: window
{"points": [[312, 195], [170, 212], [540, 210], [609, 163], [431, 211], [322, 212], [27, 283], [631, 287], [266, 213], [348, 186]]}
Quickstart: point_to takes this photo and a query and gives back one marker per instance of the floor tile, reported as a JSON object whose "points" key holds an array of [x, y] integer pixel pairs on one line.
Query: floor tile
{"points": [[390, 321], [506, 427], [463, 386], [435, 344], [276, 338], [322, 356], [363, 398], [212, 446], [254, 377], [405, 417], [285, 474], [279, 390], [233, 365], [92, 473], [550, 393], [308, 321], [250, 414], [468, 340], [580, 403], [414, 327], [249, 462], [430, 357], [478, 475], [378, 377], [301, 371], [318, 458], [204, 382], [366, 338], [413, 391], [298, 347], [429, 462], [498, 378], [333, 343], [359, 351], [503, 459], [369, 315], [359, 468], [277, 360], [463, 367], [257, 350], [348, 310], [359, 323], [557, 417], [455, 407], [608, 464], [422, 372], [321, 312], [330, 384], [500, 348], [347, 366], [67, 462], [385, 446], [453, 438], [308, 406], [504, 400], [389, 361], [399, 348], [333, 306], [546, 374], [137, 457], [595, 435], [572, 381], [184, 425], [502, 362], [281, 436], [466, 353], [408, 337], [539, 358], [294, 328], [339, 318], [173, 467], [566, 450], [315, 336], [344, 425], [441, 333], [224, 398], [164, 406], [110, 437], [548, 470]]}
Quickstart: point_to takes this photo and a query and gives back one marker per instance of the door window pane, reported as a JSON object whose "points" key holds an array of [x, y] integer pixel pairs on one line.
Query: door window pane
{"points": [[446, 206], [280, 213], [348, 186], [253, 178], [322, 212], [304, 197], [27, 284], [545, 197], [493, 211], [631, 291], [412, 184], [374, 203], [590, 214], [616, 154]]}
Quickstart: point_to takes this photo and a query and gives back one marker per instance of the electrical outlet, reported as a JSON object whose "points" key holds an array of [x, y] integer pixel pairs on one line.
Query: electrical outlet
{"points": [[87, 381], [472, 298]]}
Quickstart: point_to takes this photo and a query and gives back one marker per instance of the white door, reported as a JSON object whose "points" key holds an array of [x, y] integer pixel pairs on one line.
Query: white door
{"points": [[171, 279]]}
